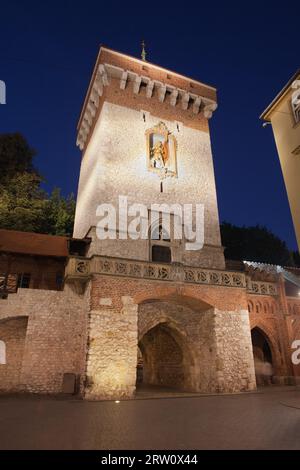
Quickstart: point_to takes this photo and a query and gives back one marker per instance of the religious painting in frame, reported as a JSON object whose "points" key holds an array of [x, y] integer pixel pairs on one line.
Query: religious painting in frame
{"points": [[161, 151]]}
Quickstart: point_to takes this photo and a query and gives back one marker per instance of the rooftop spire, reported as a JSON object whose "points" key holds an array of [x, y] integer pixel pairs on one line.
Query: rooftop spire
{"points": [[144, 53]]}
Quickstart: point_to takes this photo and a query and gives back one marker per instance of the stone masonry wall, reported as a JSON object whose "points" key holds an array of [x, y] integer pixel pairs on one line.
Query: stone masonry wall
{"points": [[112, 350], [208, 323], [13, 334], [55, 337], [235, 366]]}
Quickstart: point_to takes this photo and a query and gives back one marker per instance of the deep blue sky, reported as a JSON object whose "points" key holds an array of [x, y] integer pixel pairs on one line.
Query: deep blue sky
{"points": [[247, 50]]}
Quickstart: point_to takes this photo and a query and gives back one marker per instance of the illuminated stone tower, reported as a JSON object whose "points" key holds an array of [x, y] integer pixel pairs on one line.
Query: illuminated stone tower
{"points": [[154, 305], [129, 104]]}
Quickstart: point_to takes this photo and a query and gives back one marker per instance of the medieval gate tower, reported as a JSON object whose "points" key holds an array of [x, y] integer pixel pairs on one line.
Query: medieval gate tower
{"points": [[135, 310], [144, 135]]}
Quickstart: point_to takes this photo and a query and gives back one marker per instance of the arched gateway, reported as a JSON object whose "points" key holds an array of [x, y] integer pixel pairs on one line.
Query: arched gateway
{"points": [[146, 158], [263, 358], [166, 360]]}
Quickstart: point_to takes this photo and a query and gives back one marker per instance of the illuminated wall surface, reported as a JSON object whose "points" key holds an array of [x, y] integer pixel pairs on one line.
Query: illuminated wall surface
{"points": [[115, 163], [284, 115], [123, 319]]}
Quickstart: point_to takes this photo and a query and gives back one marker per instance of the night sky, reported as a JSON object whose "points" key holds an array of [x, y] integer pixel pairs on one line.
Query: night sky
{"points": [[247, 50]]}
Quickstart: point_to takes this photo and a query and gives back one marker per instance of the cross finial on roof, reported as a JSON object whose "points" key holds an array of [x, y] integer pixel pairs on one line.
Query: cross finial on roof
{"points": [[144, 53]]}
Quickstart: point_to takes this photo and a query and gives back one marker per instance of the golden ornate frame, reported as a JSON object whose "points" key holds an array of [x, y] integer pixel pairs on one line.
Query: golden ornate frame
{"points": [[170, 169]]}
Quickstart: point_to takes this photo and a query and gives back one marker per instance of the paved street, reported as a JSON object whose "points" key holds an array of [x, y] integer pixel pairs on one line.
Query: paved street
{"points": [[269, 419]]}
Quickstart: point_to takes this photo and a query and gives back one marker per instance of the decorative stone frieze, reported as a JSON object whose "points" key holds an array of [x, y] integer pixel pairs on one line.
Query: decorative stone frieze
{"points": [[79, 268]]}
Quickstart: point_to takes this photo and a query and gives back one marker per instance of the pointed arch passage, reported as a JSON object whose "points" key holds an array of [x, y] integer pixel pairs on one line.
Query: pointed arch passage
{"points": [[263, 358], [166, 361]]}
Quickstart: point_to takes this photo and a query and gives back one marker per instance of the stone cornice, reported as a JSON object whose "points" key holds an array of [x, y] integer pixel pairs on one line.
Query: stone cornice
{"points": [[127, 79], [82, 268]]}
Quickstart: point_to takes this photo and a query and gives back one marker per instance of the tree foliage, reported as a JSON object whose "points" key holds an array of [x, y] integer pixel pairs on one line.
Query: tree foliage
{"points": [[61, 212], [16, 156], [255, 243], [23, 204]]}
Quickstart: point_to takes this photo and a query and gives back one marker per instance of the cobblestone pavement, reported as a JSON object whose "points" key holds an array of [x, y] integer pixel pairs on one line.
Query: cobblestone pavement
{"points": [[269, 419]]}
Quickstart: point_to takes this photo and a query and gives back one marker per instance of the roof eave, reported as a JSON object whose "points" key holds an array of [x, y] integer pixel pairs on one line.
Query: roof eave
{"points": [[105, 48], [265, 114]]}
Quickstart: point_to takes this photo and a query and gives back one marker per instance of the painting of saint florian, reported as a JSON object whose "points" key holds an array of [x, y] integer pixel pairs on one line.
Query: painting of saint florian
{"points": [[161, 151]]}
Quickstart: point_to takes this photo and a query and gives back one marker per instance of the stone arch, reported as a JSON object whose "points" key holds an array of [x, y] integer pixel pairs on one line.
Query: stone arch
{"points": [[13, 334], [250, 306], [265, 353], [9, 315], [161, 319], [167, 358], [187, 323], [172, 295]]}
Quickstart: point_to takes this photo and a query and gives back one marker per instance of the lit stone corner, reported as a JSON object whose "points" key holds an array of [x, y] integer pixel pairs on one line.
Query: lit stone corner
{"points": [[77, 274]]}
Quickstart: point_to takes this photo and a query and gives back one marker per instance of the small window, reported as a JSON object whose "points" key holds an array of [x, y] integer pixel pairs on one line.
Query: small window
{"points": [[59, 281], [24, 280], [161, 254], [2, 352]]}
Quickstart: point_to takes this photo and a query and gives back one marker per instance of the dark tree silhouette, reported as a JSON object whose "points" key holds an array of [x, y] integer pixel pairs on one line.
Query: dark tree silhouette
{"points": [[255, 243]]}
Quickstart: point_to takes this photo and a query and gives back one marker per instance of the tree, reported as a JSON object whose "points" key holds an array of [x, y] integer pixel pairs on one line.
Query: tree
{"points": [[296, 258], [23, 204], [255, 243], [16, 156], [60, 214]]}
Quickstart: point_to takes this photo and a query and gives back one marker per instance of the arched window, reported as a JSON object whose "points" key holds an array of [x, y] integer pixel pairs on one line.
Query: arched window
{"points": [[160, 243], [159, 233], [2, 352]]}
